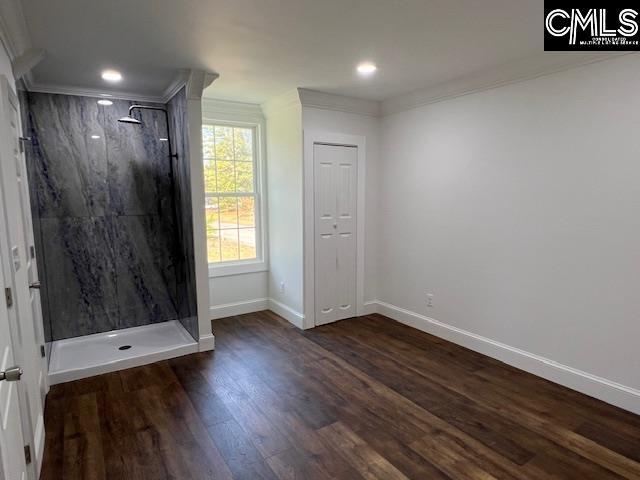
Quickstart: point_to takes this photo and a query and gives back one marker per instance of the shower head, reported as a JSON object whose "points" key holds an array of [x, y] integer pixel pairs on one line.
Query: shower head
{"points": [[134, 121], [130, 119]]}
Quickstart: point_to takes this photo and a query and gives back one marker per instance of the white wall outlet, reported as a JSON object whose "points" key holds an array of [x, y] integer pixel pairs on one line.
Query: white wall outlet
{"points": [[429, 299], [281, 287]]}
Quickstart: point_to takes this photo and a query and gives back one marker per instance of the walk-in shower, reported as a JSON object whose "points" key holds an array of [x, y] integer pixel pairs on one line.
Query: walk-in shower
{"points": [[112, 220]]}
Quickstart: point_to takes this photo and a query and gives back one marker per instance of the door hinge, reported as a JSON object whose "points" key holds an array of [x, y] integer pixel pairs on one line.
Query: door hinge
{"points": [[43, 352], [27, 454], [22, 141], [32, 250], [8, 296]]}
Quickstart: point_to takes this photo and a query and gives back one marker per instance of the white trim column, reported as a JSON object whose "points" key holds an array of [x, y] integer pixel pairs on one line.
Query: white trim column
{"points": [[196, 83]]}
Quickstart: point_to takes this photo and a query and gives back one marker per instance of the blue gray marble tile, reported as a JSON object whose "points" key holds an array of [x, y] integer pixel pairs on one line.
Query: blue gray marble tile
{"points": [[80, 275], [42, 274], [139, 168], [145, 268], [186, 280], [30, 158], [69, 162]]}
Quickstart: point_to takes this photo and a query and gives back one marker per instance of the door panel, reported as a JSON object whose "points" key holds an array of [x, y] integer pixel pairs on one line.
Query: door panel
{"points": [[325, 198], [325, 276], [335, 190], [346, 275], [12, 464]]}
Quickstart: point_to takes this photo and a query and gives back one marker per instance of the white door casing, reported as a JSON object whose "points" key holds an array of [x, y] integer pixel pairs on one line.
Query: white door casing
{"points": [[335, 200], [25, 317]]}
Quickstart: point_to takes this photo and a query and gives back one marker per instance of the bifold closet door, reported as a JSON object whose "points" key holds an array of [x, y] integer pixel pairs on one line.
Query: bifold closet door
{"points": [[335, 194]]}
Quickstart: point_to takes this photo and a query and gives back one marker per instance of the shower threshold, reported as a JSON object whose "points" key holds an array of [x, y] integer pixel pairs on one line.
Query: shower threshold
{"points": [[82, 357]]}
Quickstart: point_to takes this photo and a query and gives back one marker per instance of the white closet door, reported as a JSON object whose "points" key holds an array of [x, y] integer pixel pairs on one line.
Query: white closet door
{"points": [[335, 190]]}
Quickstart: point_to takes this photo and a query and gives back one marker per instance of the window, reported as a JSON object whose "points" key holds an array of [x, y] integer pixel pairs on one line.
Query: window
{"points": [[232, 194]]}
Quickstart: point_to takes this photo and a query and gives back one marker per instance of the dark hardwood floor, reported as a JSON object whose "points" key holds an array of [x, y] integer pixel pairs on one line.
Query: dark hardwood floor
{"points": [[365, 398]]}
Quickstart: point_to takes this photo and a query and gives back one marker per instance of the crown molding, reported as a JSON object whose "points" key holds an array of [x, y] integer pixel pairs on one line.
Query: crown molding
{"points": [[521, 70], [212, 107], [197, 81], [175, 86], [90, 92], [23, 64], [545, 63], [339, 103], [285, 100]]}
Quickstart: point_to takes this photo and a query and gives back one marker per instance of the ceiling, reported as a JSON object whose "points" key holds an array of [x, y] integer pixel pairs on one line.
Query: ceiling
{"points": [[262, 48]]}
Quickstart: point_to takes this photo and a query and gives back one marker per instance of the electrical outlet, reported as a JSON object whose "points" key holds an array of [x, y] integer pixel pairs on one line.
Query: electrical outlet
{"points": [[281, 287], [429, 299]]}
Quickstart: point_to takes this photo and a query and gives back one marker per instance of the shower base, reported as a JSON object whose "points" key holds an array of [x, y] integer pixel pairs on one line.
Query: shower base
{"points": [[81, 357]]}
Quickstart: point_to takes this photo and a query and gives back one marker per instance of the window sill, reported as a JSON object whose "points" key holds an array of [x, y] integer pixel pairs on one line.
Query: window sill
{"points": [[237, 268]]}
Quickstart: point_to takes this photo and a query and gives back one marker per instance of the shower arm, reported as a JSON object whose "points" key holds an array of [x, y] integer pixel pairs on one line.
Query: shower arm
{"points": [[166, 116]]}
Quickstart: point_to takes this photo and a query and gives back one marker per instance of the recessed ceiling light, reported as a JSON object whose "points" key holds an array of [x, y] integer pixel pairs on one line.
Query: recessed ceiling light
{"points": [[95, 137], [162, 139], [106, 103], [367, 68], [111, 75]]}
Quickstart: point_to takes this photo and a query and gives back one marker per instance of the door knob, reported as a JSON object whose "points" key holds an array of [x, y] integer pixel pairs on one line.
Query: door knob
{"points": [[35, 285], [12, 374]]}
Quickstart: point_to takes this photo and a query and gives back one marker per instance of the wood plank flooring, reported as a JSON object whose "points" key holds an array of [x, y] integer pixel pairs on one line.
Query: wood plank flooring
{"points": [[365, 398]]}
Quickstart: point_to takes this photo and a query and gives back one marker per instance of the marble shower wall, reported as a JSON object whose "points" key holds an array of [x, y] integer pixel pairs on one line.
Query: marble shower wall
{"points": [[104, 201], [178, 124]]}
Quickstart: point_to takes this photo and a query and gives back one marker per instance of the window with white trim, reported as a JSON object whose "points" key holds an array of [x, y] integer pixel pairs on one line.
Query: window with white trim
{"points": [[232, 194]]}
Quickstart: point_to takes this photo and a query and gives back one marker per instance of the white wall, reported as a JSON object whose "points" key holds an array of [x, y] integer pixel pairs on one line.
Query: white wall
{"points": [[515, 207], [239, 293], [284, 186], [286, 120], [236, 294], [369, 127], [518, 208]]}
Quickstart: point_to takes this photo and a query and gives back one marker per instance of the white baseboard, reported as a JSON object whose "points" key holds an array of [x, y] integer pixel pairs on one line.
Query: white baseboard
{"points": [[206, 343], [287, 313], [370, 307], [606, 390], [256, 305], [238, 308]]}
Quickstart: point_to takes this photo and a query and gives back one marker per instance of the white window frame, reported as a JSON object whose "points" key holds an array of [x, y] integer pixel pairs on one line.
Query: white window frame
{"points": [[231, 114]]}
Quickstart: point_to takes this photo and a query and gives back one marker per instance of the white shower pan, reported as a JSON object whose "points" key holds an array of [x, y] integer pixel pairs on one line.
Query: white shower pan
{"points": [[82, 357]]}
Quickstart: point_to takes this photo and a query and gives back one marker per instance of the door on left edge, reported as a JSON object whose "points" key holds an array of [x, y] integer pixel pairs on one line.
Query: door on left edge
{"points": [[12, 461], [20, 277]]}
